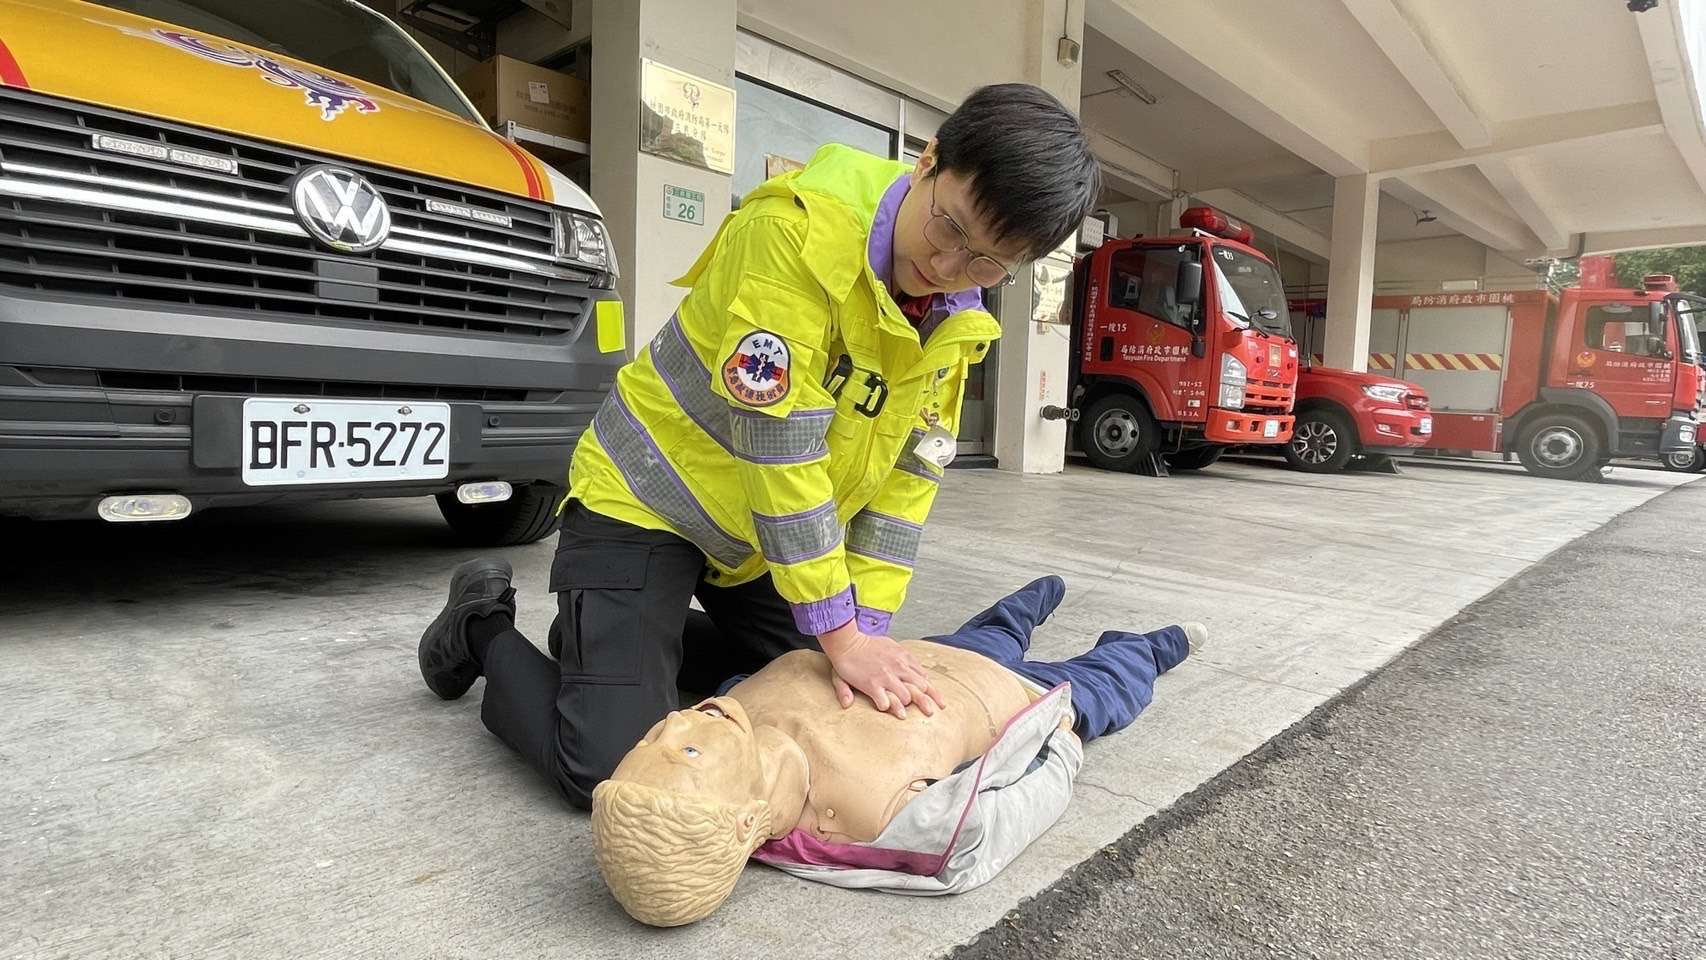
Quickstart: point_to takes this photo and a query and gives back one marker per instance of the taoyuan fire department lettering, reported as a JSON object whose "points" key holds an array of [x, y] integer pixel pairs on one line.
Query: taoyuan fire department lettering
{"points": [[1650, 370], [329, 95], [1163, 353], [1462, 299], [756, 373]]}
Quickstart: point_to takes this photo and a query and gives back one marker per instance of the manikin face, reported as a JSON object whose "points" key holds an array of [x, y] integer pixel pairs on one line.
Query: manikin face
{"points": [[919, 268], [708, 750]]}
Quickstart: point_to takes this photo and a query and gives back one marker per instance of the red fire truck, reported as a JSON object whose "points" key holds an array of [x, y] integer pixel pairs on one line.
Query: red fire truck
{"points": [[1182, 348], [1565, 380]]}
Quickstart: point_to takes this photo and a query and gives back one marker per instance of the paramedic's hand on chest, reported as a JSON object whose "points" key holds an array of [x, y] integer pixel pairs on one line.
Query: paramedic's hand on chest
{"points": [[876, 666]]}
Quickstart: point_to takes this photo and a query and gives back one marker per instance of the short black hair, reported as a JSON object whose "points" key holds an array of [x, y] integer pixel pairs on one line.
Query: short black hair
{"points": [[1033, 177]]}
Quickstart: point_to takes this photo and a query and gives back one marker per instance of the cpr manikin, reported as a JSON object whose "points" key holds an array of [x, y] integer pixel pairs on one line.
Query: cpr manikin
{"points": [[777, 762]]}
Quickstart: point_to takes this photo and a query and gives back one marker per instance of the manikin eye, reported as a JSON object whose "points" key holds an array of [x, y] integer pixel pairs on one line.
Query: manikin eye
{"points": [[714, 711], [690, 751]]}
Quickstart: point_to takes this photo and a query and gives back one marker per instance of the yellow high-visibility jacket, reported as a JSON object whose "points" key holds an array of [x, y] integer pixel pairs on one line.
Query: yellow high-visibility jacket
{"points": [[772, 420]]}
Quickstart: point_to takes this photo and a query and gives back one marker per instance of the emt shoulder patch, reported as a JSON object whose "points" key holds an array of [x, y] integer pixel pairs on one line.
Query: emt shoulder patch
{"points": [[756, 373]]}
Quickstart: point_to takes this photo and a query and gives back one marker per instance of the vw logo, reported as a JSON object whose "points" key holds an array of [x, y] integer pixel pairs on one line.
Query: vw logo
{"points": [[340, 208]]}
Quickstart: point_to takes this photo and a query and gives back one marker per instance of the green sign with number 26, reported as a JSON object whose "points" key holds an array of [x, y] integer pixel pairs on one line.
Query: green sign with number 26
{"points": [[682, 204]]}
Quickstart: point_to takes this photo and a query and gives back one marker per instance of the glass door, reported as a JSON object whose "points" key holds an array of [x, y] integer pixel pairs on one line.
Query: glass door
{"points": [[776, 131], [977, 407]]}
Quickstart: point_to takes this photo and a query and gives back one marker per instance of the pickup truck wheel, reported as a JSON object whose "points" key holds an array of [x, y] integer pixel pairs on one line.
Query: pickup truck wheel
{"points": [[527, 516], [1693, 461], [1194, 459], [1561, 446], [1117, 432], [1322, 441]]}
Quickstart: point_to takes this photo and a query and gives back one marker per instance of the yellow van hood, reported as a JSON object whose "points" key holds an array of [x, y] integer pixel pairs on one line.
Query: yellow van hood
{"points": [[98, 55]]}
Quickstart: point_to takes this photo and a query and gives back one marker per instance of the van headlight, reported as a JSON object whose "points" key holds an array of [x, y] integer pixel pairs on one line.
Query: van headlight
{"points": [[584, 242], [1233, 378]]}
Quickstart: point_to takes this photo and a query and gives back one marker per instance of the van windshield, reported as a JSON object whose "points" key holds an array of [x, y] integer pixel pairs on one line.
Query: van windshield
{"points": [[1249, 285], [338, 35]]}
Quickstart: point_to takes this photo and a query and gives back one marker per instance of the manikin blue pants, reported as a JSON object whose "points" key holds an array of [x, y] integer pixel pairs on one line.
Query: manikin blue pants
{"points": [[1111, 683]]}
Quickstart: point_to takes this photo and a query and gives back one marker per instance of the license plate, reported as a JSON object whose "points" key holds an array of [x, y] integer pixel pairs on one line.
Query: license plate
{"points": [[1427, 425], [343, 441], [1270, 429]]}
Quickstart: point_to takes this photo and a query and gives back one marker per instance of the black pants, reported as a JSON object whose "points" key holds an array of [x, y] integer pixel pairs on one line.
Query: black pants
{"points": [[628, 642]]}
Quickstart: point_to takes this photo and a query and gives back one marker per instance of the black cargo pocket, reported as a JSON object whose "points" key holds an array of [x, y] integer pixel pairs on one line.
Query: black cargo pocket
{"points": [[601, 604]]}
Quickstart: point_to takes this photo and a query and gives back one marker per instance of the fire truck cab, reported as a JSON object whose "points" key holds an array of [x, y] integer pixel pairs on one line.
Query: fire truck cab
{"points": [[1182, 347], [1623, 363]]}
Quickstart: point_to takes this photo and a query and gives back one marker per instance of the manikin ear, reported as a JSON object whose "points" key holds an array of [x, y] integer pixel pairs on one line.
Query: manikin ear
{"points": [[753, 823]]}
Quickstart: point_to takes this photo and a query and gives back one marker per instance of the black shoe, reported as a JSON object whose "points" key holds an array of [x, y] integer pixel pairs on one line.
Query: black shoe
{"points": [[477, 588]]}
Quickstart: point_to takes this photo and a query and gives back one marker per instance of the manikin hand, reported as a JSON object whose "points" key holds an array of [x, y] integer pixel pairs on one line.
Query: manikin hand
{"points": [[879, 668]]}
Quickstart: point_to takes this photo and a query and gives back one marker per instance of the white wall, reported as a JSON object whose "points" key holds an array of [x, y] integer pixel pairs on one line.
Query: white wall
{"points": [[1421, 265], [935, 50], [696, 36], [1302, 277], [1135, 216], [1503, 273]]}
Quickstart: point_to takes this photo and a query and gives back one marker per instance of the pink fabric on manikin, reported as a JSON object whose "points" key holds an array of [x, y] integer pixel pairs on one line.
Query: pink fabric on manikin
{"points": [[799, 846]]}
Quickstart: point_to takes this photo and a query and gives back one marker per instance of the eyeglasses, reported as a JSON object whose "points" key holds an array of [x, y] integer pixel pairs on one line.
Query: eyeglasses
{"points": [[949, 237]]}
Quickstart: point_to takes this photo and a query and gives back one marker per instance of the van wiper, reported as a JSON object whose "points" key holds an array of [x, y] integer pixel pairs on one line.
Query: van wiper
{"points": [[1251, 324]]}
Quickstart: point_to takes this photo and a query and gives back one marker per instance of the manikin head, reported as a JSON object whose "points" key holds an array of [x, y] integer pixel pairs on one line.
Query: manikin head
{"points": [[674, 825]]}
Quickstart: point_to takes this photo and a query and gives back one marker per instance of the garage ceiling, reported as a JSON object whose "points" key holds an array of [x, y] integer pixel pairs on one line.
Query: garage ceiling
{"points": [[1532, 126]]}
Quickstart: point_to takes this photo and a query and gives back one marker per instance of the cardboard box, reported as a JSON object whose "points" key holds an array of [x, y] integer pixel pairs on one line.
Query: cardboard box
{"points": [[505, 89]]}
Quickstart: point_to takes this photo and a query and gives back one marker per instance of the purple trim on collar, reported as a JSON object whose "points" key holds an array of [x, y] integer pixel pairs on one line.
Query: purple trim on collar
{"points": [[881, 246], [945, 306], [963, 300], [880, 250]]}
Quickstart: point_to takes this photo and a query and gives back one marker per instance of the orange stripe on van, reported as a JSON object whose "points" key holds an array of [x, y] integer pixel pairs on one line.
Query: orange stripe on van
{"points": [[11, 74], [534, 187]]}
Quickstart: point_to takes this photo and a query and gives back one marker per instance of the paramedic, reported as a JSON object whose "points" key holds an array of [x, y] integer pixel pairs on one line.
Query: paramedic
{"points": [[774, 451]]}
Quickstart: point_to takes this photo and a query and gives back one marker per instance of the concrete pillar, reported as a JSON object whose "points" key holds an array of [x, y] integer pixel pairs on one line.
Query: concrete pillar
{"points": [[695, 36], [1033, 357], [1350, 271]]}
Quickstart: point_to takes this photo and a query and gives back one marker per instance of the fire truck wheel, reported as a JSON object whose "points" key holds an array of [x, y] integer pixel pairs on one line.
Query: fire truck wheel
{"points": [[1561, 446], [1322, 441], [1117, 432], [1693, 461], [527, 516], [1195, 459]]}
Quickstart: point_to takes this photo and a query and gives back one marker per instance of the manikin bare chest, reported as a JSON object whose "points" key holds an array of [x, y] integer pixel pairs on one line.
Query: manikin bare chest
{"points": [[866, 765]]}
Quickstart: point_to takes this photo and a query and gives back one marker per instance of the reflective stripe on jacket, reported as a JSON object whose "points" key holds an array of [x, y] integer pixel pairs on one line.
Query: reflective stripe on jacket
{"points": [[771, 421]]}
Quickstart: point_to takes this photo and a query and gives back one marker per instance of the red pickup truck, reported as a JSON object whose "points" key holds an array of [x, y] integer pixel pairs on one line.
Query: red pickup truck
{"points": [[1345, 417]]}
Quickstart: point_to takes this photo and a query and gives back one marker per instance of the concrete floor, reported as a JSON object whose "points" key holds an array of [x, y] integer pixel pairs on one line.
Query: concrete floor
{"points": [[216, 741], [1528, 781]]}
